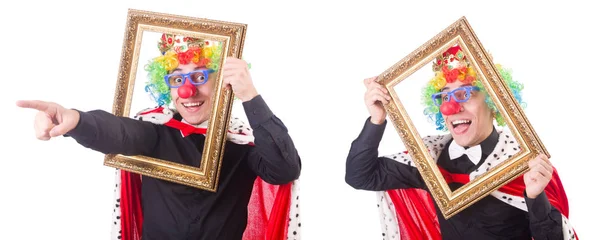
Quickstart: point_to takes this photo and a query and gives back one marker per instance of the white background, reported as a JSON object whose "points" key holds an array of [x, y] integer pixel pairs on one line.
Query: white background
{"points": [[301, 54], [148, 51]]}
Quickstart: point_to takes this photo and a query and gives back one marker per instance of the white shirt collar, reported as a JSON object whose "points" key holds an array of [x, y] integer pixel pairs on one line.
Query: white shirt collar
{"points": [[201, 125]]}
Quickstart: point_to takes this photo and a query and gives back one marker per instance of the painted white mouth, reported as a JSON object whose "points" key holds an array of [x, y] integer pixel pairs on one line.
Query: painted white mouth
{"points": [[192, 104]]}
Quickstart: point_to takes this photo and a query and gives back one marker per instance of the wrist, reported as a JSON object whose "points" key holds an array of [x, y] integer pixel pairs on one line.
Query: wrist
{"points": [[531, 196], [76, 118], [249, 96], [377, 121]]}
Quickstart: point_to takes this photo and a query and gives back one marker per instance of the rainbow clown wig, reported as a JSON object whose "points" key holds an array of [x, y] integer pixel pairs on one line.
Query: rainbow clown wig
{"points": [[177, 50], [453, 65]]}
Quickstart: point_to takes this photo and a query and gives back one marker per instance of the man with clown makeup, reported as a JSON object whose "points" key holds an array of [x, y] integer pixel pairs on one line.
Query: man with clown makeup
{"points": [[532, 206], [257, 190]]}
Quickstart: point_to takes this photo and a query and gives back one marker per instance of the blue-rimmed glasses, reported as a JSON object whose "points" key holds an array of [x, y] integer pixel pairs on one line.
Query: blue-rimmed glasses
{"points": [[461, 94], [197, 77]]}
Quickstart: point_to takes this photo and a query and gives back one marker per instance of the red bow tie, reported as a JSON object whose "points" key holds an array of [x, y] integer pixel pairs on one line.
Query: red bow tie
{"points": [[186, 129]]}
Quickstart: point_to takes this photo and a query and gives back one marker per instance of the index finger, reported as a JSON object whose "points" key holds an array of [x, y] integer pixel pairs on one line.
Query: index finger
{"points": [[231, 58], [34, 104], [369, 81], [546, 160], [234, 61], [543, 158]]}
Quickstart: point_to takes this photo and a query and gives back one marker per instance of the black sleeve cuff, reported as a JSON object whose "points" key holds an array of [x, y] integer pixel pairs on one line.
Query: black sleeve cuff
{"points": [[84, 130], [539, 208], [257, 111], [372, 133]]}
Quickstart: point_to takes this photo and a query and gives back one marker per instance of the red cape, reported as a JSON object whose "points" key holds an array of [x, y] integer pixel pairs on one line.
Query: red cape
{"points": [[417, 216], [268, 208]]}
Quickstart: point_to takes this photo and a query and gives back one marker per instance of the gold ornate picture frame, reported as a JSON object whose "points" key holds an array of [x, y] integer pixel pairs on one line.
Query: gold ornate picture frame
{"points": [[451, 202], [231, 36]]}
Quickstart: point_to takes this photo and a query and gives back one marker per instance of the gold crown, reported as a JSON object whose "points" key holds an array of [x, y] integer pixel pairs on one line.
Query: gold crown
{"points": [[452, 58], [178, 44]]}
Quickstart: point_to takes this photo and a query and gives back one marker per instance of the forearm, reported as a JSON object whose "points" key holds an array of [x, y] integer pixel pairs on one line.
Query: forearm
{"points": [[545, 221], [110, 134], [366, 170], [274, 157]]}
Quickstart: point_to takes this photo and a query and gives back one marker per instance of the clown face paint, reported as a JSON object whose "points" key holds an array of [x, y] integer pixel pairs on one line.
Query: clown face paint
{"points": [[193, 102], [472, 121]]}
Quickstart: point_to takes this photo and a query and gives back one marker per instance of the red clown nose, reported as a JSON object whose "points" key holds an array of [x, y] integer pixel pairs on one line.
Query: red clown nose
{"points": [[187, 90], [450, 108]]}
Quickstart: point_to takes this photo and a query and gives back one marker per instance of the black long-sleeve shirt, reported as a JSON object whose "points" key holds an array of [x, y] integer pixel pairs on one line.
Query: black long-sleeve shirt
{"points": [[175, 211], [489, 218]]}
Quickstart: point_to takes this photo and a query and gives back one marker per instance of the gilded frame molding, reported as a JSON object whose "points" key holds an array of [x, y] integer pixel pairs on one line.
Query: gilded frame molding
{"points": [[205, 176], [449, 202]]}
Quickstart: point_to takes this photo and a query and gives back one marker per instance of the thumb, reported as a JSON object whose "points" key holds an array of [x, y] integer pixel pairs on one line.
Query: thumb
{"points": [[59, 130], [227, 85], [69, 119]]}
